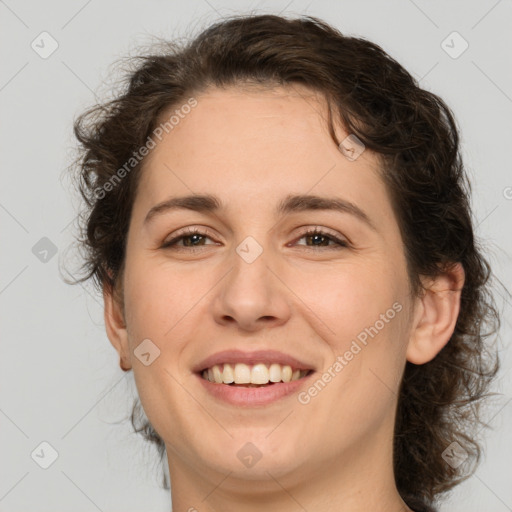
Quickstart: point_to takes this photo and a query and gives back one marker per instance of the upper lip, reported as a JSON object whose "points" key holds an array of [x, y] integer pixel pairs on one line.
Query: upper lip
{"points": [[259, 356]]}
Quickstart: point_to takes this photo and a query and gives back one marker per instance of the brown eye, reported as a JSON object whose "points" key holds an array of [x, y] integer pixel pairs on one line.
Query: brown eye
{"points": [[191, 238], [320, 238]]}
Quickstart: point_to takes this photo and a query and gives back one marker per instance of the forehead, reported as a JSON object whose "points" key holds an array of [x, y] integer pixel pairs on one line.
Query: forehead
{"points": [[255, 146]]}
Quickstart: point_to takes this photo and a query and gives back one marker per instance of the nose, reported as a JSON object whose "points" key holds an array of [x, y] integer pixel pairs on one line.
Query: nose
{"points": [[252, 296]]}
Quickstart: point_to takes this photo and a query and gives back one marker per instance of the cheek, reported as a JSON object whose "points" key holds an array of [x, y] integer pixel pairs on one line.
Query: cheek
{"points": [[359, 313], [342, 302], [168, 305], [158, 296]]}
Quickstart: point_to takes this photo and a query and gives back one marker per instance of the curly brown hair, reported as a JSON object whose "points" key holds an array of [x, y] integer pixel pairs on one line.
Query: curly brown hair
{"points": [[414, 134]]}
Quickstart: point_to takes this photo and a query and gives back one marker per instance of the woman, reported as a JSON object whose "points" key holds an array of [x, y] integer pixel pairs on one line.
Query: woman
{"points": [[278, 217]]}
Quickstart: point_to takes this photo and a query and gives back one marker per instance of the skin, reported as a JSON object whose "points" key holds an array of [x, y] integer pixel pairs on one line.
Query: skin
{"points": [[251, 148]]}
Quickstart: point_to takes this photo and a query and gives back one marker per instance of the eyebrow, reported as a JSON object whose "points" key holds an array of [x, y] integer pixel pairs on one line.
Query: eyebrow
{"points": [[290, 204]]}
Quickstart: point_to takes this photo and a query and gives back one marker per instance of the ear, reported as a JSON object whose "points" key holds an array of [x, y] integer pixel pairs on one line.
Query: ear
{"points": [[436, 315], [115, 325]]}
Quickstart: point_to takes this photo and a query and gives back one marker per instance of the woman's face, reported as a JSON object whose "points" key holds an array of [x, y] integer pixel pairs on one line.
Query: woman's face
{"points": [[253, 281]]}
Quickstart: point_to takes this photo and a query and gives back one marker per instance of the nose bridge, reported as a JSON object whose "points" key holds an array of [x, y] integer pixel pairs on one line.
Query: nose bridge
{"points": [[250, 293], [249, 280]]}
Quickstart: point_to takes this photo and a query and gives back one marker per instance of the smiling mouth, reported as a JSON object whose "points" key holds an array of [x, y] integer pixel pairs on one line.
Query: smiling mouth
{"points": [[251, 376]]}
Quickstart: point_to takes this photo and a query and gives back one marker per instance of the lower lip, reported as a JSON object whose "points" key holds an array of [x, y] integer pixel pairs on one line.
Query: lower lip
{"points": [[242, 396]]}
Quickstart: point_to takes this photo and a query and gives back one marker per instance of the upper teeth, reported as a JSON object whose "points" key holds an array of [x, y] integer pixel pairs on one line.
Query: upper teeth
{"points": [[260, 373]]}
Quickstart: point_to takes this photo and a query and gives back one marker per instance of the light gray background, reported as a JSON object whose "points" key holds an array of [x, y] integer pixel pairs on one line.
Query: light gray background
{"points": [[59, 376]]}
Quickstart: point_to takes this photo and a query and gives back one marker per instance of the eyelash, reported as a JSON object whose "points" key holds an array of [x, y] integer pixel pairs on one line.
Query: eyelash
{"points": [[171, 244]]}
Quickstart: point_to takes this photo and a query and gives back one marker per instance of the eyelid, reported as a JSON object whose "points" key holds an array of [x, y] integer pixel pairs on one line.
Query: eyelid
{"points": [[340, 241], [188, 231]]}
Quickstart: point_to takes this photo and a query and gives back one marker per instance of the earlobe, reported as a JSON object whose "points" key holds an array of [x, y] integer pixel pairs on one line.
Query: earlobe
{"points": [[115, 326], [436, 315]]}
